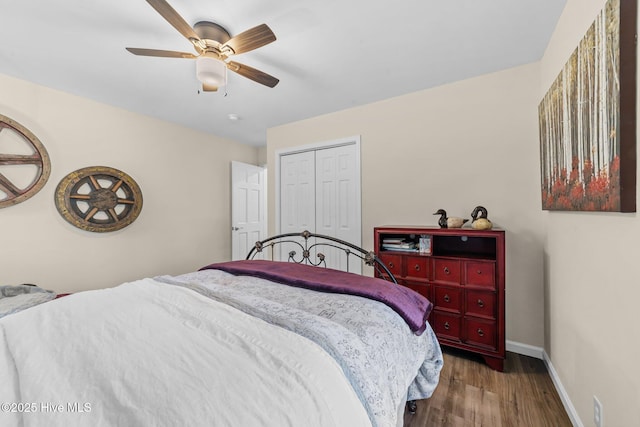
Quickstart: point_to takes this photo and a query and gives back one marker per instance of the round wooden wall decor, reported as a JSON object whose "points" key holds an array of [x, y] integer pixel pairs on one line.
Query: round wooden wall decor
{"points": [[24, 163], [99, 199]]}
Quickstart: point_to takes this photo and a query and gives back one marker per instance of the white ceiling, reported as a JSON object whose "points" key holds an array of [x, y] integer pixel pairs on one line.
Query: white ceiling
{"points": [[329, 55]]}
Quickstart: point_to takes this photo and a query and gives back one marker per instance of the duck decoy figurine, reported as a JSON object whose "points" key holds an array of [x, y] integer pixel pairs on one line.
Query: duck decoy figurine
{"points": [[480, 220], [449, 222]]}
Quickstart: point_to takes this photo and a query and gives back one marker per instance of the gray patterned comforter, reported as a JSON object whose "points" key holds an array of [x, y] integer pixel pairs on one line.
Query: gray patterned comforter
{"points": [[383, 360], [18, 298]]}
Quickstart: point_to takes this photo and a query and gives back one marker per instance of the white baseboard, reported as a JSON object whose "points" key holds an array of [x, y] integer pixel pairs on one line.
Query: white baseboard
{"points": [[564, 396], [539, 353], [525, 349]]}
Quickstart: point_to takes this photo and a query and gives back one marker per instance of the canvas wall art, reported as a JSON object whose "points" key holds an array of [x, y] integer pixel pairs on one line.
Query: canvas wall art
{"points": [[587, 119]]}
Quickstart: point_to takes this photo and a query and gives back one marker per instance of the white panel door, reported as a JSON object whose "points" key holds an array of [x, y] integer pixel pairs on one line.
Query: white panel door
{"points": [[297, 197], [320, 192], [248, 208], [338, 201]]}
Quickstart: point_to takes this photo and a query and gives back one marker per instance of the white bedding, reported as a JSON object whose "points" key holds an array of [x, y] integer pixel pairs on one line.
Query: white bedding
{"points": [[384, 361], [164, 356]]}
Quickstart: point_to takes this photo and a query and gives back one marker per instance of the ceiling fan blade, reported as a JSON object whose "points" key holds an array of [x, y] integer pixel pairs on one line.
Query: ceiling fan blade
{"points": [[160, 53], [173, 18], [251, 39], [209, 88], [252, 73]]}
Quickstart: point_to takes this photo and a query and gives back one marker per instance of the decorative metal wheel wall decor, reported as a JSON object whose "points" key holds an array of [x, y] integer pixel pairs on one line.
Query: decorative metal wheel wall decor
{"points": [[99, 199], [24, 163]]}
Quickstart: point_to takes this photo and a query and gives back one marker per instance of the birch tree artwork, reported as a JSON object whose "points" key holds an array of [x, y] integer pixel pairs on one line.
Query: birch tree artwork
{"points": [[579, 121]]}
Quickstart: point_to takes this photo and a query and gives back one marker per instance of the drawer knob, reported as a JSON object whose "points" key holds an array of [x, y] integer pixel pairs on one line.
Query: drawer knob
{"points": [[480, 303], [446, 325], [417, 267], [480, 332], [446, 298], [479, 271], [390, 265], [446, 270]]}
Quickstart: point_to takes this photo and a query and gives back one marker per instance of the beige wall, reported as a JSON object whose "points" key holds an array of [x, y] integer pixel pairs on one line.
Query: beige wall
{"points": [[593, 285], [453, 147], [184, 176]]}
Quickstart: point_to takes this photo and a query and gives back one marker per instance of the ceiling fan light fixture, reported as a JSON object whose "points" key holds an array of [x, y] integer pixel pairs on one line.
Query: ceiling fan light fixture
{"points": [[211, 71], [214, 45]]}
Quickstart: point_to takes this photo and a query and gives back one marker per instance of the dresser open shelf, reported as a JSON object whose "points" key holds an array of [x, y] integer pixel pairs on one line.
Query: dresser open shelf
{"points": [[463, 275]]}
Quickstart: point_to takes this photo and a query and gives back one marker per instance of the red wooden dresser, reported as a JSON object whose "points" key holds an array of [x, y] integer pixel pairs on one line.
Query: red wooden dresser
{"points": [[463, 275]]}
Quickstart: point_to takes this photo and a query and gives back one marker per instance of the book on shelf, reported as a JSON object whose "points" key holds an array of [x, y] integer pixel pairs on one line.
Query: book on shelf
{"points": [[398, 245], [400, 249], [394, 243]]}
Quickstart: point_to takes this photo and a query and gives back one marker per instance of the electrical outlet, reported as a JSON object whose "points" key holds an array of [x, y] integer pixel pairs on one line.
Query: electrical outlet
{"points": [[597, 412]]}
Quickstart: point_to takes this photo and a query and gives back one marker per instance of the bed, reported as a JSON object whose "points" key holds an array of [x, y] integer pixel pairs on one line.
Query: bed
{"points": [[231, 344]]}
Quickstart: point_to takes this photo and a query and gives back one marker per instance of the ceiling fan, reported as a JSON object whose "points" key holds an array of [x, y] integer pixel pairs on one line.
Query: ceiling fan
{"points": [[214, 45]]}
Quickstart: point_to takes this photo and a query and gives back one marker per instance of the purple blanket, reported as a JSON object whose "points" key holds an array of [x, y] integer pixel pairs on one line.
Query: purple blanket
{"points": [[413, 307]]}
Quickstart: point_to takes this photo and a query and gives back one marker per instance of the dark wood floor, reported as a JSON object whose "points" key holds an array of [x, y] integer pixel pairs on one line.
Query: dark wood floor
{"points": [[472, 394]]}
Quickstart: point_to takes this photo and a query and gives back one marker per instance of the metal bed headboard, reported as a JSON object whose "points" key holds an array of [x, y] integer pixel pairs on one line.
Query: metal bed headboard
{"points": [[320, 241]]}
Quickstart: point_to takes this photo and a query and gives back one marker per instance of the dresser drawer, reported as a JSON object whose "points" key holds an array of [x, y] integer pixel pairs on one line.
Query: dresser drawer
{"points": [[481, 304], [420, 287], [417, 267], [480, 333], [393, 263], [446, 325], [447, 298], [446, 270], [480, 273]]}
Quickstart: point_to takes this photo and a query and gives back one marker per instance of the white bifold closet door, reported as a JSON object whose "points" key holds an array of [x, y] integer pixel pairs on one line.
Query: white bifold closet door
{"points": [[320, 192]]}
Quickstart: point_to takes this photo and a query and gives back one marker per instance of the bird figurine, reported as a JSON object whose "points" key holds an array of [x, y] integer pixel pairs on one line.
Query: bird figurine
{"points": [[449, 222], [480, 220]]}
